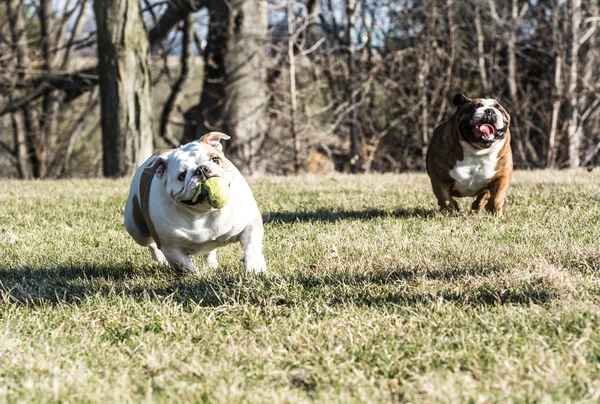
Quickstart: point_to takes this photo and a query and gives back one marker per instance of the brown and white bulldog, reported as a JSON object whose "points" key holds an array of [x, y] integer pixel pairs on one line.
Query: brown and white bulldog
{"points": [[470, 155], [160, 213]]}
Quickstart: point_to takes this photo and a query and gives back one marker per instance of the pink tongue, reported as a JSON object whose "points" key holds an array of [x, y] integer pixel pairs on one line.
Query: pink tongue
{"points": [[486, 131]]}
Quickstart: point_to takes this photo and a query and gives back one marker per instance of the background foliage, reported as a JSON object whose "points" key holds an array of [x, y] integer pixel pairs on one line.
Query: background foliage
{"points": [[365, 96]]}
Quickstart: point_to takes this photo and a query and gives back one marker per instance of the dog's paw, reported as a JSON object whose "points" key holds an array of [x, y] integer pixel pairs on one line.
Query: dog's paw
{"points": [[182, 270], [210, 260], [211, 264], [255, 264], [158, 256]]}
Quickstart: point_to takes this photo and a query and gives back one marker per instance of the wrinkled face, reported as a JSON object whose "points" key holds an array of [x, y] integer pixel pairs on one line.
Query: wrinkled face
{"points": [[187, 167], [481, 121]]}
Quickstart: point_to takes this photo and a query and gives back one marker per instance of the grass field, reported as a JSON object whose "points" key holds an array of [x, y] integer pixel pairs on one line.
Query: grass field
{"points": [[370, 296]]}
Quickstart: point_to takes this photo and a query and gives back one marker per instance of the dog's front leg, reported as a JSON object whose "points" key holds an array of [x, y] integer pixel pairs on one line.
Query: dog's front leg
{"points": [[443, 194], [179, 261], [210, 259], [480, 201], [498, 190], [157, 255], [251, 239]]}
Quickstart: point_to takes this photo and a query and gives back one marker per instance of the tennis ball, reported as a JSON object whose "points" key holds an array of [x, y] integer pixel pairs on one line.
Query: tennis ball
{"points": [[218, 192]]}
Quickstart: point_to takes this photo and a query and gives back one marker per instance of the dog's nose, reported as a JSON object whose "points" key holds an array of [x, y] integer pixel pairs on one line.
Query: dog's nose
{"points": [[202, 171], [490, 113]]}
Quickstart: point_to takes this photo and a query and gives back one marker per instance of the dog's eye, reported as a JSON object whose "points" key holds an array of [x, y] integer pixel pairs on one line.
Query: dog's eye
{"points": [[216, 160], [181, 176]]}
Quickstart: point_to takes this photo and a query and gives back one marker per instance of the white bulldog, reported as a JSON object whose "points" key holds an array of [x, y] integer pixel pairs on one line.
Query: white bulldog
{"points": [[160, 214]]}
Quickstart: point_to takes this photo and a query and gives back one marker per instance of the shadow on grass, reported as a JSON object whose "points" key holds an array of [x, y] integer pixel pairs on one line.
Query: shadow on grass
{"points": [[329, 215], [73, 285]]}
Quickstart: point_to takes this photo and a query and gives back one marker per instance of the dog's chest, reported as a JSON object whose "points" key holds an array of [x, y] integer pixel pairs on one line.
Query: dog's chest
{"points": [[474, 172], [209, 234]]}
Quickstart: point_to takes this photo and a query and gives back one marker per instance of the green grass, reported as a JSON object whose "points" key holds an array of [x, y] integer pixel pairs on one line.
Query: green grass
{"points": [[371, 296]]}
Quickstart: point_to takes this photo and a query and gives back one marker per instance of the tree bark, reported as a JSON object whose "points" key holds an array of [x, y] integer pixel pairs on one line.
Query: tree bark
{"points": [[291, 26], [481, 52], [515, 22], [124, 76], [558, 84], [187, 63], [25, 137], [357, 162], [589, 79], [208, 115], [424, 118], [512, 56], [20, 150], [73, 85], [572, 128], [448, 76], [312, 14], [234, 96], [51, 100], [424, 61], [175, 12]]}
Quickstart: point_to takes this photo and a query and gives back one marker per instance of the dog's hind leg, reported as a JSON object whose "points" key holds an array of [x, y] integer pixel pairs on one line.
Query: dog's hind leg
{"points": [[251, 239]]}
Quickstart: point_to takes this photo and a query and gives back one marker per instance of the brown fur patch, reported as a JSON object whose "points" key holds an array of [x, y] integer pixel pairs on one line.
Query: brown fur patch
{"points": [[145, 182], [138, 216]]}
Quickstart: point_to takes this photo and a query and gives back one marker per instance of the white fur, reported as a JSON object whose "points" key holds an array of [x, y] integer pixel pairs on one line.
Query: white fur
{"points": [[476, 169], [184, 230], [489, 103]]}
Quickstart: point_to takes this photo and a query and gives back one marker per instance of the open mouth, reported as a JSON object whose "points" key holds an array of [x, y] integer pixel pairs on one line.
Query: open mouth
{"points": [[190, 203], [484, 131], [206, 196], [201, 199]]}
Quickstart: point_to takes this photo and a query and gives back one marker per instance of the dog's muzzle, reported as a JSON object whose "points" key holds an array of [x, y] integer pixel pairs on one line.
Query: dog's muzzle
{"points": [[481, 129], [202, 173]]}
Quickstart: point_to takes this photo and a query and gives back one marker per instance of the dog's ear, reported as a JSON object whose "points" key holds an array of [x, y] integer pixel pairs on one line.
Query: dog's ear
{"points": [[506, 116], [460, 99], [158, 166], [214, 139]]}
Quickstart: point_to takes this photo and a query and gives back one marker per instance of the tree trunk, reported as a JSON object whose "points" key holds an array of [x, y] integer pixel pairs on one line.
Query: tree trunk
{"points": [[448, 76], [291, 25], [19, 136], [187, 63], [572, 128], [356, 154], [424, 61], [589, 80], [550, 161], [515, 22], [26, 129], [312, 14], [423, 101], [558, 84], [51, 100], [512, 56], [234, 96], [481, 53], [124, 77], [175, 12], [209, 114]]}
